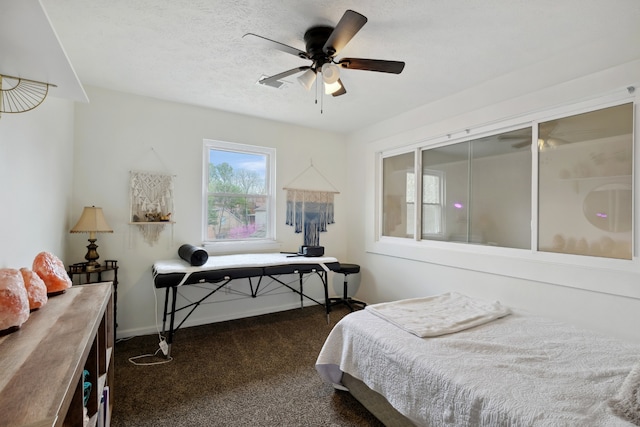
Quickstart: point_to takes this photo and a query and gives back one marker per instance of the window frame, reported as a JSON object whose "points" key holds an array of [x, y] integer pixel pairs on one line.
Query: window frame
{"points": [[448, 140], [606, 275], [269, 241]]}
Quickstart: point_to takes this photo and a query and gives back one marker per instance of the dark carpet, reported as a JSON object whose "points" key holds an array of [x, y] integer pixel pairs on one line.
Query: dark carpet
{"points": [[257, 371]]}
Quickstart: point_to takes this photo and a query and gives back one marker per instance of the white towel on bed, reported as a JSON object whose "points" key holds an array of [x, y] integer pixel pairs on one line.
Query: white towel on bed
{"points": [[440, 314]]}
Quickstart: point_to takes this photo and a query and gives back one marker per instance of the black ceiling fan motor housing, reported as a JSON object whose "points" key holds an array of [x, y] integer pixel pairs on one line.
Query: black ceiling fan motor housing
{"points": [[315, 39]]}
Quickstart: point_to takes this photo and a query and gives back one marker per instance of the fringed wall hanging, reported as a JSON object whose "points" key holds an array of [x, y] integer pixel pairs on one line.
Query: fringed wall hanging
{"points": [[309, 210], [151, 203]]}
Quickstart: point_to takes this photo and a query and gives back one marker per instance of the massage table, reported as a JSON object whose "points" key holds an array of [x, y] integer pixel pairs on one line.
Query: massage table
{"points": [[219, 271]]}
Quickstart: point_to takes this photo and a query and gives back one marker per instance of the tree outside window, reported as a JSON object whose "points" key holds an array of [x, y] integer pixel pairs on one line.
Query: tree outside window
{"points": [[237, 192]]}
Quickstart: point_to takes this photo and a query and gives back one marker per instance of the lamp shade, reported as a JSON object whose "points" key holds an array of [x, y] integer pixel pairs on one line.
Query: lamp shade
{"points": [[331, 88], [330, 73], [307, 78], [91, 221]]}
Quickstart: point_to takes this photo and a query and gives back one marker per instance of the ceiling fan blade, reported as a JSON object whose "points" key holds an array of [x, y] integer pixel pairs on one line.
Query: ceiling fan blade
{"points": [[349, 25], [522, 144], [394, 67], [272, 80], [277, 45], [340, 91]]}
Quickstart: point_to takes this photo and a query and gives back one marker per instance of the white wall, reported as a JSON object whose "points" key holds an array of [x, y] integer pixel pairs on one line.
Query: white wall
{"points": [[586, 293], [36, 166], [41, 167], [117, 133]]}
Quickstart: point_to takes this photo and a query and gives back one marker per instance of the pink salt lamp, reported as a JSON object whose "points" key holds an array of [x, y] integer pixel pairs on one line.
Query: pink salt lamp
{"points": [[14, 303], [51, 270], [36, 289]]}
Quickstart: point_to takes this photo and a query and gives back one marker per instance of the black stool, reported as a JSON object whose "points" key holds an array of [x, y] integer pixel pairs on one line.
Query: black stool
{"points": [[347, 269]]}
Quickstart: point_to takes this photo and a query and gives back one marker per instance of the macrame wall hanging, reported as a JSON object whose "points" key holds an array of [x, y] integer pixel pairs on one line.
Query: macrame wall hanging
{"points": [[310, 210], [151, 203]]}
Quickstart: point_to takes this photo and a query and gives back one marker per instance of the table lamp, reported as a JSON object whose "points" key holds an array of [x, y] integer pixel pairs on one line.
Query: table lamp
{"points": [[92, 221]]}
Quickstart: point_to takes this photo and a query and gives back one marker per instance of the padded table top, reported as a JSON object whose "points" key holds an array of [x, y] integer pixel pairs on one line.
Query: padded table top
{"points": [[177, 272]]}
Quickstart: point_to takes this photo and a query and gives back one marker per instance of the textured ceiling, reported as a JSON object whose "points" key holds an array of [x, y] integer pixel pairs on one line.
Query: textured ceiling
{"points": [[192, 51]]}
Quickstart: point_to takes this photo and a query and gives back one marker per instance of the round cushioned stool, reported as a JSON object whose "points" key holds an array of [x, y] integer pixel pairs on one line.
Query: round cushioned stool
{"points": [[346, 270]]}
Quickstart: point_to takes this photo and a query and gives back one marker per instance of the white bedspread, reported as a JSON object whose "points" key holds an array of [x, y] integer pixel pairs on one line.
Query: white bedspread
{"points": [[439, 314], [519, 370], [220, 262]]}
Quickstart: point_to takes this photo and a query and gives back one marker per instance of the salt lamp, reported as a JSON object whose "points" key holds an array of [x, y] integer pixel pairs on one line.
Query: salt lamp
{"points": [[36, 289], [14, 303], [51, 270]]}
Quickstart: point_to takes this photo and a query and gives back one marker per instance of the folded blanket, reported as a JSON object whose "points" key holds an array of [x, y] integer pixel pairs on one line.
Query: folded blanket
{"points": [[440, 314]]}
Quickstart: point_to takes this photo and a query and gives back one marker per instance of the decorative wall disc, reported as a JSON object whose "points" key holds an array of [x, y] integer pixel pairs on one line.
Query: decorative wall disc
{"points": [[18, 95]]}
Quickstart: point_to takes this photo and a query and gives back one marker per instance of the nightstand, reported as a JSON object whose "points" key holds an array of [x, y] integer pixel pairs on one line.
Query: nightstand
{"points": [[80, 275]]}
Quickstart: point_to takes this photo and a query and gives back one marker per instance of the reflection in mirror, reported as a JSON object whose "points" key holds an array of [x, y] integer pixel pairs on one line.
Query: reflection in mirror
{"points": [[592, 126], [398, 190], [585, 176], [608, 207], [479, 191]]}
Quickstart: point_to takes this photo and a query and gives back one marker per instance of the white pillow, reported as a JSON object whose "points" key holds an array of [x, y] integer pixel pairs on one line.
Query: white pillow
{"points": [[626, 403]]}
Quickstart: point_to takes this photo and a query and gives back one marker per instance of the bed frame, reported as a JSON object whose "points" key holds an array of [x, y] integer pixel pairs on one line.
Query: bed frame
{"points": [[375, 403]]}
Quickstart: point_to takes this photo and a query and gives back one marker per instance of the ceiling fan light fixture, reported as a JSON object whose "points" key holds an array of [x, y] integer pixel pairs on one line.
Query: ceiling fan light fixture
{"points": [[307, 78], [322, 44], [331, 88], [330, 73]]}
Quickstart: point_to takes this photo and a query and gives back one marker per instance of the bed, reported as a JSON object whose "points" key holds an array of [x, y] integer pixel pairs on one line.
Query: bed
{"points": [[515, 369], [219, 271]]}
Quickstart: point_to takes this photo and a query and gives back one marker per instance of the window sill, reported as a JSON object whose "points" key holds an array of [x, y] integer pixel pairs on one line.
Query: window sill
{"points": [[605, 275]]}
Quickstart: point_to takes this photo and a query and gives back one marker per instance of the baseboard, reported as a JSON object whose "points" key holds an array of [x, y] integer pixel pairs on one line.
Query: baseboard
{"points": [[128, 333]]}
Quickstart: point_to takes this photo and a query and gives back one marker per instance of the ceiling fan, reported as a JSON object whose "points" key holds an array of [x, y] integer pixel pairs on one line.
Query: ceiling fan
{"points": [[323, 43], [521, 138]]}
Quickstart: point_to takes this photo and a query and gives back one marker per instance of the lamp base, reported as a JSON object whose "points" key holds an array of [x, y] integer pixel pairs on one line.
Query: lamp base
{"points": [[92, 255]]}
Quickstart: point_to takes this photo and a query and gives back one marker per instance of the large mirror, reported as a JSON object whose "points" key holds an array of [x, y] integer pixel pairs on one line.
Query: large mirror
{"points": [[608, 207]]}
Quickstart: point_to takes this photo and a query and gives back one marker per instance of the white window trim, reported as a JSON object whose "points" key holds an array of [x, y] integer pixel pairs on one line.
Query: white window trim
{"points": [[269, 243]]}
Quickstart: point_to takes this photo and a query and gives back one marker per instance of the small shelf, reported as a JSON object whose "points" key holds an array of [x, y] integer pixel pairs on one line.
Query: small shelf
{"points": [[583, 184], [151, 222], [596, 178], [151, 203]]}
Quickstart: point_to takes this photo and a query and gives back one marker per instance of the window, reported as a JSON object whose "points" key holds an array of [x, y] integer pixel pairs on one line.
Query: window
{"points": [[476, 191], [484, 196], [239, 194], [479, 190]]}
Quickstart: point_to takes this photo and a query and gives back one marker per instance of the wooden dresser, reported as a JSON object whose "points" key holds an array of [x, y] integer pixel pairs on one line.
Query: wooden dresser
{"points": [[42, 363]]}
